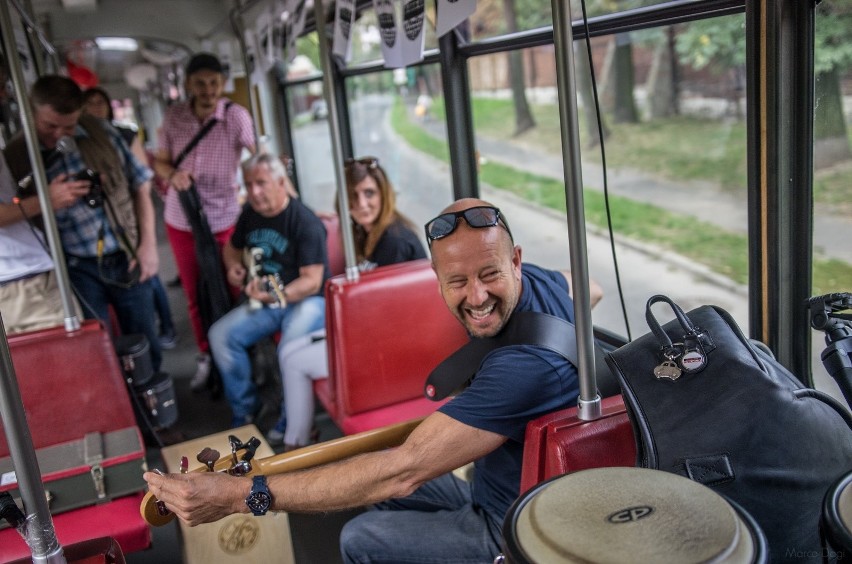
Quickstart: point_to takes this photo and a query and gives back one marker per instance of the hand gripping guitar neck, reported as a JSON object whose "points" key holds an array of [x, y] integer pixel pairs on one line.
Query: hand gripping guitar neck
{"points": [[241, 461]]}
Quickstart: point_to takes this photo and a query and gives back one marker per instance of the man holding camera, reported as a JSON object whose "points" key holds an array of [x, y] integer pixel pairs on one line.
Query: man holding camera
{"points": [[107, 232]]}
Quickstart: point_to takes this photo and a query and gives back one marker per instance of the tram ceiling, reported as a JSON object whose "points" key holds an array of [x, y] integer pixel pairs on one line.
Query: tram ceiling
{"points": [[165, 30], [186, 20]]}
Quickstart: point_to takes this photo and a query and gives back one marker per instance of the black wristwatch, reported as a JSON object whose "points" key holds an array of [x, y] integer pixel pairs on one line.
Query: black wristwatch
{"points": [[260, 498]]}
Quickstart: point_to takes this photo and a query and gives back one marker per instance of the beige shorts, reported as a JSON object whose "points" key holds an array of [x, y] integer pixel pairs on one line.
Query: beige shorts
{"points": [[33, 303]]}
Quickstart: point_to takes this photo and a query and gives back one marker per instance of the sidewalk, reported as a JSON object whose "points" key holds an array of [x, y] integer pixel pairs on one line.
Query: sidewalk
{"points": [[702, 200]]}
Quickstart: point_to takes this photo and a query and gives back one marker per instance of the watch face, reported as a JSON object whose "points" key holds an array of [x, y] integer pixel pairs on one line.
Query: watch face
{"points": [[259, 502]]}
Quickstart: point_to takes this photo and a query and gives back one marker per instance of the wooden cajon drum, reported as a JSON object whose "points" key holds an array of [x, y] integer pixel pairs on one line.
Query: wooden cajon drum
{"points": [[241, 538]]}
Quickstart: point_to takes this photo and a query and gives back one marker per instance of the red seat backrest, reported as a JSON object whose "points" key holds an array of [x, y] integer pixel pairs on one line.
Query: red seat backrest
{"points": [[560, 442], [70, 383], [334, 244], [386, 332]]}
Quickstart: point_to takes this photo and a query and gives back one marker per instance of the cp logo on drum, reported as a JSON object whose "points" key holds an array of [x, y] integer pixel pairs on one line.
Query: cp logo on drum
{"points": [[630, 514]]}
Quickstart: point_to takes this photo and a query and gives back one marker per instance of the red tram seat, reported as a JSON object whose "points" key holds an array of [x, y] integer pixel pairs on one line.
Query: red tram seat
{"points": [[560, 442], [71, 384], [386, 332]]}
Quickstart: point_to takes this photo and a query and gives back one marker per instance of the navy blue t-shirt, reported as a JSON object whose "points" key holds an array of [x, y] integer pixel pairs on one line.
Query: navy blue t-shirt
{"points": [[292, 239], [397, 244], [513, 386]]}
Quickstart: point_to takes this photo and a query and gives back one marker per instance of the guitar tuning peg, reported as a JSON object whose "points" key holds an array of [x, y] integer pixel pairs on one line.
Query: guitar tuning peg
{"points": [[208, 457], [236, 444], [251, 447]]}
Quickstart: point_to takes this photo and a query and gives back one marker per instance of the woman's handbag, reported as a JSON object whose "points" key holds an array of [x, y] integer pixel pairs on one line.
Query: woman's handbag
{"points": [[708, 404]]}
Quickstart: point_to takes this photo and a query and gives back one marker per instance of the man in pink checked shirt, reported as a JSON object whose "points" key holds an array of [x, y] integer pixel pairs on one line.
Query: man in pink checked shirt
{"points": [[212, 165]]}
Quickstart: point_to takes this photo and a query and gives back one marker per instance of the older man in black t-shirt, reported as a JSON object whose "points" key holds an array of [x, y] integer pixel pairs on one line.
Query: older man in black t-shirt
{"points": [[285, 292]]}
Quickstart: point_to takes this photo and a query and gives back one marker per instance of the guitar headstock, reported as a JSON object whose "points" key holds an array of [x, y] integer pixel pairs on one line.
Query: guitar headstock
{"points": [[235, 463], [272, 284]]}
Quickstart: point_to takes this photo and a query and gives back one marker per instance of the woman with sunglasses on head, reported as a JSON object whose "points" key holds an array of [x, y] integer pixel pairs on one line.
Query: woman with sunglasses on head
{"points": [[382, 236]]}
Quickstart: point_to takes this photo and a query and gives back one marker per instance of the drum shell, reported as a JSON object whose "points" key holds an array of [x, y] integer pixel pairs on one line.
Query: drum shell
{"points": [[134, 354], [837, 520], [517, 550], [158, 400]]}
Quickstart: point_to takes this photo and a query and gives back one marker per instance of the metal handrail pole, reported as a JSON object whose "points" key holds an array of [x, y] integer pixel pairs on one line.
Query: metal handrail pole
{"points": [[589, 403], [33, 28], [72, 322], [336, 144], [239, 30], [39, 531]]}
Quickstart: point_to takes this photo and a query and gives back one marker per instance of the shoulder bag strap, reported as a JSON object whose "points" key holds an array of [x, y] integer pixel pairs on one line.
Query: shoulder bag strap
{"points": [[198, 137], [524, 328]]}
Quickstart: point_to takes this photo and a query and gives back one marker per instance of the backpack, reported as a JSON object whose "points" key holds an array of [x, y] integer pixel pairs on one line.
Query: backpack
{"points": [[708, 404]]}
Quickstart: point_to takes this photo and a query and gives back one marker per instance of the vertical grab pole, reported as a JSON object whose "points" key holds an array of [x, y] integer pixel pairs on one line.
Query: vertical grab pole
{"points": [[336, 145], [38, 529], [72, 322], [589, 403], [239, 30]]}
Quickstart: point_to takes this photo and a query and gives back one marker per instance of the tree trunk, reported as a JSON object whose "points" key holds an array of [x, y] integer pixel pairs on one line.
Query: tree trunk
{"points": [[587, 97], [523, 116], [831, 143], [662, 85], [625, 105]]}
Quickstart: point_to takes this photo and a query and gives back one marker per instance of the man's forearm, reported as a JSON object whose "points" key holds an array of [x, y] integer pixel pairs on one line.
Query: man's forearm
{"points": [[11, 213], [145, 215]]}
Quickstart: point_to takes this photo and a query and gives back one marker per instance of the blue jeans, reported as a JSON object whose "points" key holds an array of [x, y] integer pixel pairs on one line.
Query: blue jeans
{"points": [[161, 303], [232, 336], [436, 524], [98, 287]]}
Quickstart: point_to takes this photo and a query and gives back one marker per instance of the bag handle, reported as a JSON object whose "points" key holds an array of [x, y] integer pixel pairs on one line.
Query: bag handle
{"points": [[657, 330]]}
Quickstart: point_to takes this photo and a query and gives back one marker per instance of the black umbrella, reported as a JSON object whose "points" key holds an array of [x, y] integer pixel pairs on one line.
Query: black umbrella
{"points": [[214, 298]]}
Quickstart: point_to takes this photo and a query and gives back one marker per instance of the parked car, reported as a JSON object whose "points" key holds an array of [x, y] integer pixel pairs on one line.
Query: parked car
{"points": [[319, 110]]}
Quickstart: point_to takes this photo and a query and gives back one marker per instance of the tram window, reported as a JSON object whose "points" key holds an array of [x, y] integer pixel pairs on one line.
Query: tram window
{"points": [[493, 19], [394, 117], [311, 146], [366, 38], [832, 253], [675, 144]]}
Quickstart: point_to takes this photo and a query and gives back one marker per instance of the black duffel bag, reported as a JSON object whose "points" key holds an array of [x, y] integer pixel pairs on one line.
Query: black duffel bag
{"points": [[708, 404]]}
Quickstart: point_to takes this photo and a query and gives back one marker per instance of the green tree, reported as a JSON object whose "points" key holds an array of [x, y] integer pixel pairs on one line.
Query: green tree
{"points": [[832, 60], [720, 42]]}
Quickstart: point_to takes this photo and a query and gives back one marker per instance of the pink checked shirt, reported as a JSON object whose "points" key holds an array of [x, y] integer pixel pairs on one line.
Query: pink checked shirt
{"points": [[213, 162]]}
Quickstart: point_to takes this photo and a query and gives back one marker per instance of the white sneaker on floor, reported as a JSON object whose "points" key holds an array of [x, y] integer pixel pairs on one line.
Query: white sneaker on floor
{"points": [[202, 373]]}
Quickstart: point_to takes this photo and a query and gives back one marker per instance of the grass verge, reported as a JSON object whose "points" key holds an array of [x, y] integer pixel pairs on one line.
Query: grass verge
{"points": [[723, 252]]}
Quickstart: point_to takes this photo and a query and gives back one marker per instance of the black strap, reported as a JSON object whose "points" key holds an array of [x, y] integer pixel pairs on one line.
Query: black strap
{"points": [[198, 137], [524, 328]]}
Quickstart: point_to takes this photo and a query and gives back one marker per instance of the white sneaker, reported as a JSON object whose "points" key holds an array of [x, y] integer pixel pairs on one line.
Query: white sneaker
{"points": [[202, 373]]}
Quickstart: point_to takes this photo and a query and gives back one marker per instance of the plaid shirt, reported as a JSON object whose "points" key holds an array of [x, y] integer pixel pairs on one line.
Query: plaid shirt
{"points": [[213, 162], [79, 225]]}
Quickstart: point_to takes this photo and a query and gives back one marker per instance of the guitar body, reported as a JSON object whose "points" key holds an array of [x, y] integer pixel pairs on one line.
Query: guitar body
{"points": [[269, 283]]}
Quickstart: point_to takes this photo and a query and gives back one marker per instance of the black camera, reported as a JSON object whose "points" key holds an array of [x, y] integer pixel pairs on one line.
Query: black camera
{"points": [[94, 198]]}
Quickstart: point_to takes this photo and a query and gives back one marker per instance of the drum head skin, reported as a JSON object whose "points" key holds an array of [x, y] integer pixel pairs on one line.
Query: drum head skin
{"points": [[837, 514], [627, 515]]}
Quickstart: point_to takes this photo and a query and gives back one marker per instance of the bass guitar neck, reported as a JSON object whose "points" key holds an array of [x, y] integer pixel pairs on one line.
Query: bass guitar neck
{"points": [[241, 462]]}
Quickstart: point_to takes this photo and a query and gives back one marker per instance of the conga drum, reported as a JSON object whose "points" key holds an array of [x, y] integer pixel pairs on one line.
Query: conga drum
{"points": [[628, 515], [837, 520]]}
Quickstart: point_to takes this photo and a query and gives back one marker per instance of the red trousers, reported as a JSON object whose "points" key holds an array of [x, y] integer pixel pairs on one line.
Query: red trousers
{"points": [[183, 248]]}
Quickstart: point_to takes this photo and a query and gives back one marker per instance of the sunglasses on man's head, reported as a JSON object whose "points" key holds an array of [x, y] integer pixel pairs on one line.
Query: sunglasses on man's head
{"points": [[369, 162], [479, 216]]}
